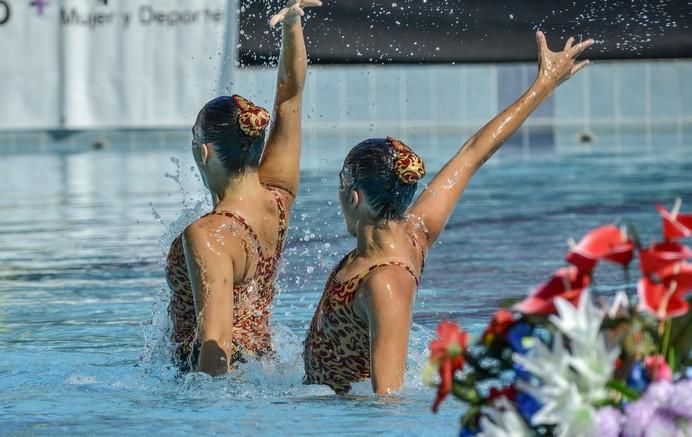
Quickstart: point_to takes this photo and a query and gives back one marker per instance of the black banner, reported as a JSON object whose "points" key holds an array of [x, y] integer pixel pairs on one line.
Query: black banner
{"points": [[430, 31]]}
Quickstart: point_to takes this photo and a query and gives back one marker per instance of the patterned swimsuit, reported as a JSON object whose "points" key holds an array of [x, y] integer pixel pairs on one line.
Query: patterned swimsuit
{"points": [[337, 348], [251, 300]]}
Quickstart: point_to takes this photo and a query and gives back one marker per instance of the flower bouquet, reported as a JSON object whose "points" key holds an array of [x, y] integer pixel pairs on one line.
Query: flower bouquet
{"points": [[565, 362]]}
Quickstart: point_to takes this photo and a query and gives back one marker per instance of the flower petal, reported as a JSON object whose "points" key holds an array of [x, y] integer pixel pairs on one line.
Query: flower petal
{"points": [[445, 386], [661, 255], [606, 242], [664, 296], [676, 227], [567, 282]]}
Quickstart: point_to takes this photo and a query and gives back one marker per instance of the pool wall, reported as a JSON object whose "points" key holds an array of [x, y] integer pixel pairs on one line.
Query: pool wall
{"points": [[610, 104]]}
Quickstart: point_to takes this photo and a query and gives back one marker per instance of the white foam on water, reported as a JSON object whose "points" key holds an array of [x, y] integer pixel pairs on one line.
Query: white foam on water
{"points": [[157, 332]]}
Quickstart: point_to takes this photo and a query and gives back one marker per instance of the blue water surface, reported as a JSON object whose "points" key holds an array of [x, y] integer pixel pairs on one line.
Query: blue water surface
{"points": [[83, 297]]}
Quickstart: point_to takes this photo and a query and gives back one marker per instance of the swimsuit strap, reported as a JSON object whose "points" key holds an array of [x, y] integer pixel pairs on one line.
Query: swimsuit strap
{"points": [[250, 232], [417, 231], [283, 219], [416, 243], [337, 269], [283, 223], [364, 275]]}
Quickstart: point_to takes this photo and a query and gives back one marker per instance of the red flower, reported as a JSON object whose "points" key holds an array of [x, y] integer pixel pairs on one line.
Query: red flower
{"points": [[567, 283], [657, 369], [499, 324], [618, 363], [607, 242], [507, 392], [447, 352], [663, 293], [675, 225], [661, 255]]}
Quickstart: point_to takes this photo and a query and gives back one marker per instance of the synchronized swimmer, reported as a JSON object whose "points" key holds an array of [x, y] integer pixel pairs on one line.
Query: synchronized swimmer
{"points": [[222, 268]]}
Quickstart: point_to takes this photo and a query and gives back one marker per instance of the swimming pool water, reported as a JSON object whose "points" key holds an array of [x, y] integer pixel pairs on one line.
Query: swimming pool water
{"points": [[82, 238]]}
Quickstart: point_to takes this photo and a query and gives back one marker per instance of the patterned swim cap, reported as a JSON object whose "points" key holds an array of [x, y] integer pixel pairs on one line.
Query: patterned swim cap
{"points": [[253, 120], [408, 166]]}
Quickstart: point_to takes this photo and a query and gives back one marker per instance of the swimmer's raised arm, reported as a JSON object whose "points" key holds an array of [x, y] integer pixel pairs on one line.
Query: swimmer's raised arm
{"points": [[212, 279], [436, 204], [280, 165]]}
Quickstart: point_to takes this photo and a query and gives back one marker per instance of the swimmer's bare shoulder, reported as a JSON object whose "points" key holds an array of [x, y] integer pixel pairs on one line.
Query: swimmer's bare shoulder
{"points": [[218, 239], [416, 228]]}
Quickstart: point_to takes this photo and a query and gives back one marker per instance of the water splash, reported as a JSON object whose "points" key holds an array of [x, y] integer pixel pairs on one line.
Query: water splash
{"points": [[632, 25], [313, 242], [193, 206], [157, 346]]}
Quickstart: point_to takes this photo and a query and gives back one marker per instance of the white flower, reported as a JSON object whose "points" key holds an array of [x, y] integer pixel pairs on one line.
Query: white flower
{"points": [[550, 365], [581, 324], [621, 303], [571, 380], [594, 366], [564, 406], [502, 420]]}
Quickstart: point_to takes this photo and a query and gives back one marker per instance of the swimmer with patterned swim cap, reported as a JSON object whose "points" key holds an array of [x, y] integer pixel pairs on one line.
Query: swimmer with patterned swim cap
{"points": [[221, 269], [362, 323]]}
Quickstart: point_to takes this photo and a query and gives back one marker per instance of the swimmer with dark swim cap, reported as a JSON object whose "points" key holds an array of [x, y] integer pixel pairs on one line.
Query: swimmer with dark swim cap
{"points": [[221, 270], [362, 323]]}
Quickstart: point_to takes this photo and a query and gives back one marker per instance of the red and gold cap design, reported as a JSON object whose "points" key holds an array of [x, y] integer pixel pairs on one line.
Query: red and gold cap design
{"points": [[408, 166], [253, 120]]}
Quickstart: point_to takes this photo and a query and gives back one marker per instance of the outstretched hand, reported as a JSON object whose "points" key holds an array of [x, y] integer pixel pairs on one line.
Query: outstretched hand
{"points": [[557, 67], [293, 10]]}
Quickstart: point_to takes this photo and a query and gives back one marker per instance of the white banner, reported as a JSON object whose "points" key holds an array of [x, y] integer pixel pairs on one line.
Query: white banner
{"points": [[78, 64]]}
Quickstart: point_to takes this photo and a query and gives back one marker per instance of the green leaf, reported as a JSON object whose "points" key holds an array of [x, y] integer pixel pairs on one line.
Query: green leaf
{"points": [[471, 417], [681, 338], [467, 393], [672, 362], [622, 388]]}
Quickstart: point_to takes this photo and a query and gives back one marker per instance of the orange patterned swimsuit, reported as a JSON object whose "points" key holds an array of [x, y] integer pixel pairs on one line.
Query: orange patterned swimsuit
{"points": [[337, 347], [251, 300]]}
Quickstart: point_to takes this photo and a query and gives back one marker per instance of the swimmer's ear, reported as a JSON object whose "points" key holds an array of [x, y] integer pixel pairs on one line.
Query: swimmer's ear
{"points": [[355, 199], [204, 153]]}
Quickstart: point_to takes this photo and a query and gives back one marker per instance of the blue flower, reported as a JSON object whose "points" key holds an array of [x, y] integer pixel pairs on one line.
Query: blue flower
{"points": [[637, 378], [527, 405], [520, 337], [521, 372]]}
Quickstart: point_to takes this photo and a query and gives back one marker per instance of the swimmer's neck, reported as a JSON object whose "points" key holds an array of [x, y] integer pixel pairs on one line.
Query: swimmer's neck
{"points": [[234, 188], [378, 240]]}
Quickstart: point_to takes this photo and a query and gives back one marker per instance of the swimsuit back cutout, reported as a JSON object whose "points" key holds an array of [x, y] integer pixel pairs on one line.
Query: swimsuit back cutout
{"points": [[337, 348], [252, 298]]}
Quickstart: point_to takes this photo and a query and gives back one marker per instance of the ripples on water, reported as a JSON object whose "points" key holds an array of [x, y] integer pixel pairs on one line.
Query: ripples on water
{"points": [[82, 238]]}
